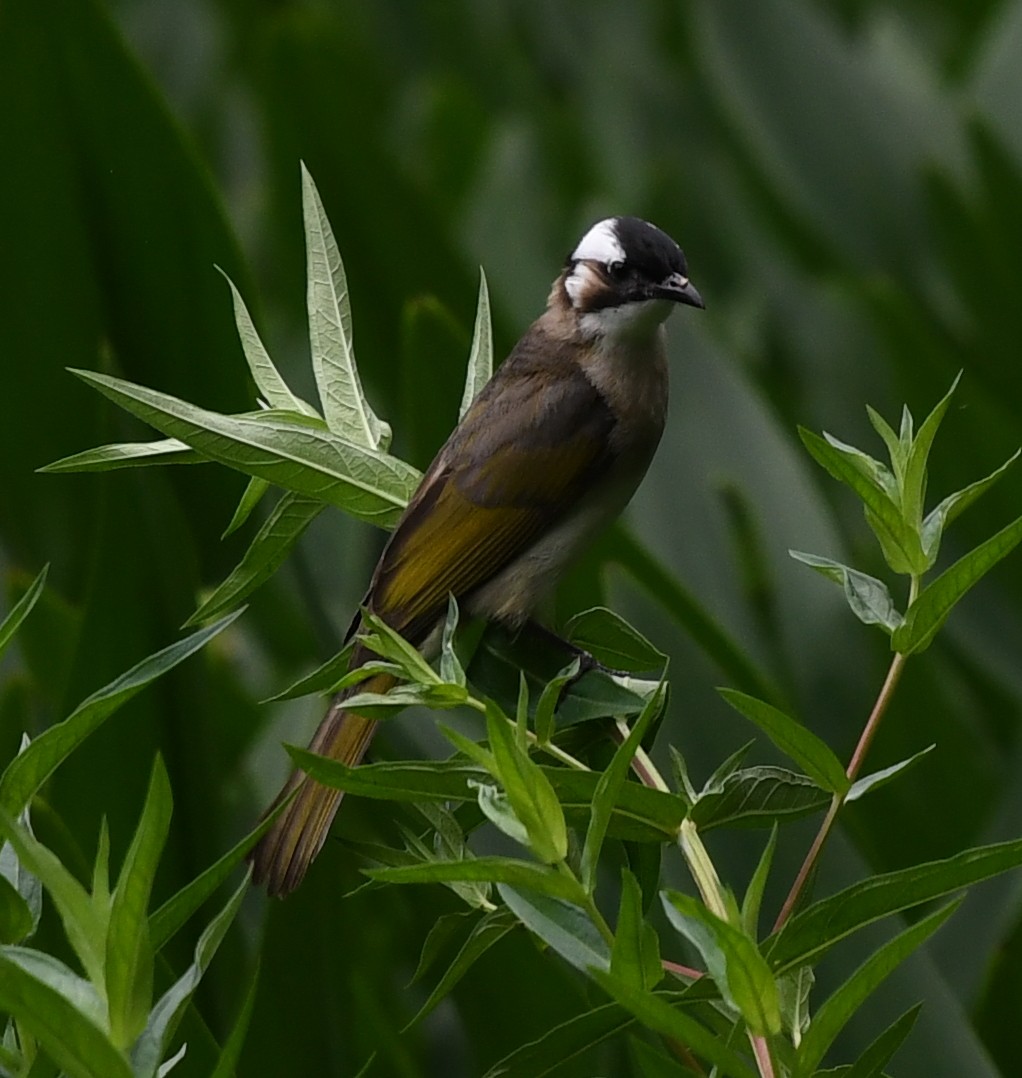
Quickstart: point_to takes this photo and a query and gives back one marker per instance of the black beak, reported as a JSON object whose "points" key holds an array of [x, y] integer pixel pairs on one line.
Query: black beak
{"points": [[679, 289]]}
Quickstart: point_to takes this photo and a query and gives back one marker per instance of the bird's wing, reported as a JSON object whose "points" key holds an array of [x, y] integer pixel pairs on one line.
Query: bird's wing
{"points": [[525, 453]]}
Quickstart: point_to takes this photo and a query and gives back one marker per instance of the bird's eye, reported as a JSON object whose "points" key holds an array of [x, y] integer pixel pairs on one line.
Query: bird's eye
{"points": [[616, 270]]}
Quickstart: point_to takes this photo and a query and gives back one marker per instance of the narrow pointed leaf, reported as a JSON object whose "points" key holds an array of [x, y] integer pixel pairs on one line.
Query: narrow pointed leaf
{"points": [[878, 474], [834, 1015], [518, 874], [325, 678], [817, 928], [914, 486], [275, 539], [230, 1053], [29, 770], [345, 407], [932, 606], [897, 451], [757, 885], [796, 741], [635, 955], [872, 1062], [16, 920], [110, 458], [560, 924], [21, 609], [880, 778], [290, 451], [250, 498], [480, 356]]}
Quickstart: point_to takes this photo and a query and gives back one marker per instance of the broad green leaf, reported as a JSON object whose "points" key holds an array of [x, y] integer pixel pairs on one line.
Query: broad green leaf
{"points": [[753, 899], [796, 741], [531, 795], [267, 378], [914, 485], [275, 539], [560, 924], [154, 1042], [109, 458], [655, 1013], [15, 917], [869, 599], [345, 407], [932, 606], [880, 778], [129, 952], [403, 781], [21, 609], [563, 1043], [74, 1041], [954, 505], [757, 797], [835, 1013], [732, 959], [250, 498], [480, 356], [439, 939], [899, 542], [29, 770], [872, 1062], [817, 928], [490, 929], [519, 874], [283, 449], [635, 954], [608, 789], [612, 641]]}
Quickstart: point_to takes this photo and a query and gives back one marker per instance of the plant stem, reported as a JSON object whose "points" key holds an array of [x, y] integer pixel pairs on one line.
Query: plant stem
{"points": [[644, 768], [853, 769], [764, 1058]]}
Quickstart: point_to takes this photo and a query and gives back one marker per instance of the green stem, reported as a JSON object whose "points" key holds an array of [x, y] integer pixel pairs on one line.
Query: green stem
{"points": [[590, 906], [869, 731]]}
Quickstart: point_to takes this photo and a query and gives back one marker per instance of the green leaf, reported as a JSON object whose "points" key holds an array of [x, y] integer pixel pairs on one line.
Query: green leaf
{"points": [[544, 720], [496, 807], [16, 922], [609, 787], [519, 874], [451, 670], [154, 1042], [267, 378], [899, 542], [757, 885], [109, 458], [795, 988], [480, 356], [29, 770], [655, 1013], [796, 741], [250, 498], [227, 1061], [817, 928], [732, 960], [75, 1043], [869, 598], [284, 449], [872, 1062], [932, 606], [380, 638], [531, 795], [275, 539], [21, 609], [490, 929], [878, 474], [897, 448], [561, 924], [129, 952], [325, 678], [345, 407], [635, 954], [914, 485], [612, 641], [880, 778], [954, 505], [563, 1043], [402, 781], [758, 797], [835, 1013]]}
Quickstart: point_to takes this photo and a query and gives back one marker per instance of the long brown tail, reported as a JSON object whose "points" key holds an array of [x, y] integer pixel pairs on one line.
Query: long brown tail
{"points": [[282, 856]]}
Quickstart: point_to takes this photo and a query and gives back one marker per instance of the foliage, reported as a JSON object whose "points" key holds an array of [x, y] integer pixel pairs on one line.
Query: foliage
{"points": [[845, 179]]}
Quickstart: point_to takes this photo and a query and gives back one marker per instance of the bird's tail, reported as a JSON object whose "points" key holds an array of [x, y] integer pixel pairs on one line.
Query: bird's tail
{"points": [[282, 856]]}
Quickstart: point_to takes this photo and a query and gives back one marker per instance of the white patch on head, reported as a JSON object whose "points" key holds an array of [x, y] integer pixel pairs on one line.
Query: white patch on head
{"points": [[580, 281], [600, 243]]}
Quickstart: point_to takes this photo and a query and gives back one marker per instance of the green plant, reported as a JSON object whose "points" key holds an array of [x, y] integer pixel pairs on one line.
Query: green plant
{"points": [[746, 1009], [110, 1021]]}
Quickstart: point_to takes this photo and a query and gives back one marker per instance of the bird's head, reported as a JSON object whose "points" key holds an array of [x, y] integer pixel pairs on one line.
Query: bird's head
{"points": [[624, 278]]}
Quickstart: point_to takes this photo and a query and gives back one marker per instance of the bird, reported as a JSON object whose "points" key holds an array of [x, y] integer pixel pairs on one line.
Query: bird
{"points": [[548, 454]]}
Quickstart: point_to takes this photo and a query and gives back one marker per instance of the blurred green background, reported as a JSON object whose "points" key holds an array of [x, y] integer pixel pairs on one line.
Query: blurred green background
{"points": [[846, 179]]}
